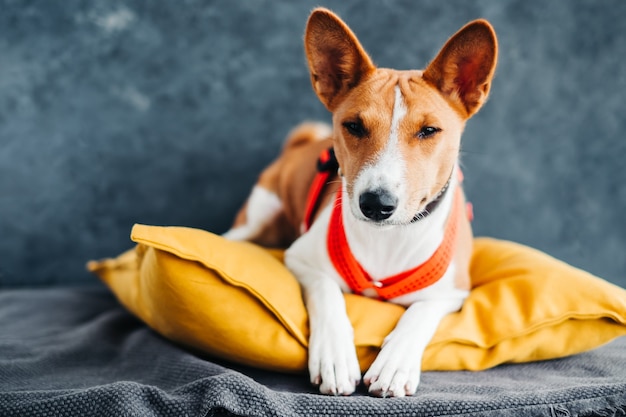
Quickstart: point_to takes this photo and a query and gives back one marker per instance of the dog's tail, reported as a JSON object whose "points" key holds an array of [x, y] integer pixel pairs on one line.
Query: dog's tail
{"points": [[307, 132]]}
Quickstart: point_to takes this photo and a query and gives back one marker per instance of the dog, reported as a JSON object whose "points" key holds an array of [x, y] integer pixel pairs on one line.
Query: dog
{"points": [[388, 218]]}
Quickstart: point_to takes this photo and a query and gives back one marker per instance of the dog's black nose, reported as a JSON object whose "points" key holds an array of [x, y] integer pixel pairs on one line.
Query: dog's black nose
{"points": [[378, 205]]}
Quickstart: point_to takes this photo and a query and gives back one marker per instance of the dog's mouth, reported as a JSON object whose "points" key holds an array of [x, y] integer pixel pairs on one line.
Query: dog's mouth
{"points": [[377, 207]]}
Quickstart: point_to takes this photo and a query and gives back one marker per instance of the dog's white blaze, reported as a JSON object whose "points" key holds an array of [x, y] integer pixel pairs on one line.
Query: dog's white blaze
{"points": [[387, 172], [399, 111]]}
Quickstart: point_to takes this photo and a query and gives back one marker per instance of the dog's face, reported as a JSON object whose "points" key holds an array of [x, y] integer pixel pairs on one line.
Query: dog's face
{"points": [[397, 140], [397, 134]]}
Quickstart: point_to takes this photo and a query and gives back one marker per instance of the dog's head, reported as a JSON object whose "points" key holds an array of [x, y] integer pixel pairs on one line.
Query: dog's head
{"points": [[396, 133]]}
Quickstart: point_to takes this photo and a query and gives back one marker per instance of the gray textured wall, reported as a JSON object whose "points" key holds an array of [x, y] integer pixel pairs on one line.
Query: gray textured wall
{"points": [[116, 112]]}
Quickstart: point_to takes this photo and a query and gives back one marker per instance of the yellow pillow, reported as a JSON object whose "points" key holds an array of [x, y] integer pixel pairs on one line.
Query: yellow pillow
{"points": [[237, 301]]}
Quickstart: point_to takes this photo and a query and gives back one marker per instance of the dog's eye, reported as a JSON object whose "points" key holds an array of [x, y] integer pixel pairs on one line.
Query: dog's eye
{"points": [[356, 129], [427, 132]]}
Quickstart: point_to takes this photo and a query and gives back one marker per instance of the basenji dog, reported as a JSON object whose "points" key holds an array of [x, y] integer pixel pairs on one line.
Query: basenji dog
{"points": [[388, 220]]}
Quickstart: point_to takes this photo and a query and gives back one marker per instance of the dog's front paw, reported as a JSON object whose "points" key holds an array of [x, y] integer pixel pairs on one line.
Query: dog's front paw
{"points": [[333, 364], [396, 371]]}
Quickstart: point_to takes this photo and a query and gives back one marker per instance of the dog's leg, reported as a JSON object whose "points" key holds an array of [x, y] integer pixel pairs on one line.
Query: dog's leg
{"points": [[261, 209], [397, 368], [333, 363]]}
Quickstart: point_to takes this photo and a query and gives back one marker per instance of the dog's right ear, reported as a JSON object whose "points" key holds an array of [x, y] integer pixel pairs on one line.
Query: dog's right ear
{"points": [[337, 61]]}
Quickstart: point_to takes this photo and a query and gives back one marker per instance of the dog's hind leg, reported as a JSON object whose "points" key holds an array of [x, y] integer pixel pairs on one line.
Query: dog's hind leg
{"points": [[257, 216], [270, 217]]}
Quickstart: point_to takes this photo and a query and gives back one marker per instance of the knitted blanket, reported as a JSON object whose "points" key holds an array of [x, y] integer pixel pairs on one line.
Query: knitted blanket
{"points": [[75, 351]]}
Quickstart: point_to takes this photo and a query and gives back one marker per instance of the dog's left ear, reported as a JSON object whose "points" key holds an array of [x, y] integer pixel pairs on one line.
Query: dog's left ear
{"points": [[464, 67], [337, 61]]}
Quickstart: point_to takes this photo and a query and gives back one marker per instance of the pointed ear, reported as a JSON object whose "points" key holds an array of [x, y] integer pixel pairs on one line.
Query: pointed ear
{"points": [[337, 62], [465, 66]]}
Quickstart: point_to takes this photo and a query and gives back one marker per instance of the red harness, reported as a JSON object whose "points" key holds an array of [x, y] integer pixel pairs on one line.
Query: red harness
{"points": [[352, 272], [326, 166]]}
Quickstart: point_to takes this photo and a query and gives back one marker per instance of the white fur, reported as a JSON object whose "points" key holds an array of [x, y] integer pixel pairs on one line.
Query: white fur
{"points": [[333, 362], [263, 206]]}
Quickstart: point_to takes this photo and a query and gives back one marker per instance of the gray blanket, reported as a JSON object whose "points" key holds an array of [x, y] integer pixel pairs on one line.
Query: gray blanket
{"points": [[77, 352]]}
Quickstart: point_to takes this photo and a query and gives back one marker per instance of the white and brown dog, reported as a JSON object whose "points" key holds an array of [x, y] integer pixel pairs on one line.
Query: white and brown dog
{"points": [[390, 220]]}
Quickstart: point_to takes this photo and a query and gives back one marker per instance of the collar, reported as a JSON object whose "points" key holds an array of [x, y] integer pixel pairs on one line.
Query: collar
{"points": [[432, 206]]}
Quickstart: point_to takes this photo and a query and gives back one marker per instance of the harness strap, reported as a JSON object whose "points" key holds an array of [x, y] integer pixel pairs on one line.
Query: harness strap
{"points": [[326, 166]]}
